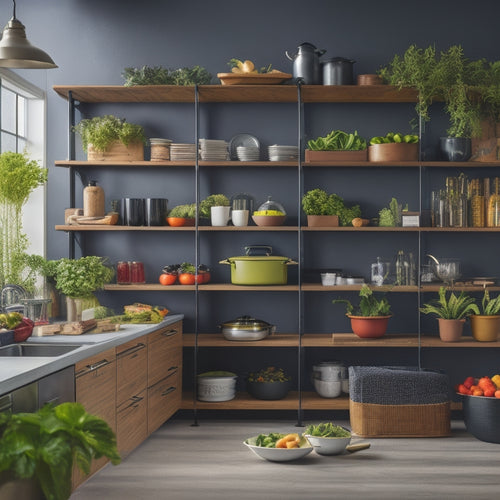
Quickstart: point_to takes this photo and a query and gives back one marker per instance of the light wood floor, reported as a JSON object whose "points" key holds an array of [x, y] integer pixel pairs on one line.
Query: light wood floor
{"points": [[183, 462]]}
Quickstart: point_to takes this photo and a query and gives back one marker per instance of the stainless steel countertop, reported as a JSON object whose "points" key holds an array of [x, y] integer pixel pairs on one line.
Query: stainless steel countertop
{"points": [[18, 371]]}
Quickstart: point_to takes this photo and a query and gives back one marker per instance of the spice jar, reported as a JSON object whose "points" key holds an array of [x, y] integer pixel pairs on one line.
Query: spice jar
{"points": [[93, 200], [137, 272], [123, 273]]}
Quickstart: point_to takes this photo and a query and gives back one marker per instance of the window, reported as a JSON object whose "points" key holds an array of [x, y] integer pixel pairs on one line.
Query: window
{"points": [[22, 128]]}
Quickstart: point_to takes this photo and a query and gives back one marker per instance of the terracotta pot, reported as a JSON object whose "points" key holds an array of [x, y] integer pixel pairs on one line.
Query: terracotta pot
{"points": [[323, 220], [180, 221], [450, 330], [485, 328], [367, 327]]}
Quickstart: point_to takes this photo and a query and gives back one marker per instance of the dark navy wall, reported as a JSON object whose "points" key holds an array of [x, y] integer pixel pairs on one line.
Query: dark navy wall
{"points": [[92, 41]]}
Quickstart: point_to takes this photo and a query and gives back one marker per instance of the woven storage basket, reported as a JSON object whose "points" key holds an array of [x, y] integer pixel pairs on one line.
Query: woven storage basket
{"points": [[398, 402]]}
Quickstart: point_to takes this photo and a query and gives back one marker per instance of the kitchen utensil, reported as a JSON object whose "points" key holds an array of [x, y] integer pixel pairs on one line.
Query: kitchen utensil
{"points": [[338, 71], [306, 66], [245, 140], [328, 388], [239, 217], [258, 269], [246, 328], [279, 454], [253, 78], [269, 220], [328, 371], [132, 211], [220, 216], [328, 445], [328, 279], [268, 390], [447, 270]]}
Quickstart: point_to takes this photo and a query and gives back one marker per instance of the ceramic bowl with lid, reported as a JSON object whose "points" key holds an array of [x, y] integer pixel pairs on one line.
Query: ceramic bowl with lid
{"points": [[246, 328]]}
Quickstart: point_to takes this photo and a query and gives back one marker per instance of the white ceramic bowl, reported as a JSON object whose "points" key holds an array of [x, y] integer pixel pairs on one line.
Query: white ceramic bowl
{"points": [[328, 445], [279, 454], [328, 388], [216, 388], [328, 279]]}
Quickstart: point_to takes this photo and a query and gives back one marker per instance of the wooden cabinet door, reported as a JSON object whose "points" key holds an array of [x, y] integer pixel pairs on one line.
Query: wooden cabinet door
{"points": [[164, 399], [131, 369], [95, 389], [164, 352], [132, 423]]}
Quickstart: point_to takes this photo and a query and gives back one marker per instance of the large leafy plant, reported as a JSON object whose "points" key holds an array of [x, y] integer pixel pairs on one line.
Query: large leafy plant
{"points": [[19, 176], [368, 305], [452, 307], [45, 444], [101, 131]]}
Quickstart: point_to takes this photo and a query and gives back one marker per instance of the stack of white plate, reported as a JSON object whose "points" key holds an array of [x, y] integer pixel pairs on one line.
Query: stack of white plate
{"points": [[248, 153], [214, 149], [183, 151], [283, 153]]}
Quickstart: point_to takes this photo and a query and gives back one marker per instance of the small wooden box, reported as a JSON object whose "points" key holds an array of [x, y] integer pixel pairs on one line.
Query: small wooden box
{"points": [[336, 156], [410, 219]]}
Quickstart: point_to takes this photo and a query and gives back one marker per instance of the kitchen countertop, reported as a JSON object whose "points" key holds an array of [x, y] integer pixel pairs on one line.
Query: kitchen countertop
{"points": [[18, 371]]}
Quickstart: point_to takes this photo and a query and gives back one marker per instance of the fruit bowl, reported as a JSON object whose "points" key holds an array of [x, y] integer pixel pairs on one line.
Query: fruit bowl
{"points": [[269, 220], [481, 417], [279, 454]]}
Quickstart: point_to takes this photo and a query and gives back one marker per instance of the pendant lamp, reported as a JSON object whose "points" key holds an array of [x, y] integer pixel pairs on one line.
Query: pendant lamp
{"points": [[17, 52]]}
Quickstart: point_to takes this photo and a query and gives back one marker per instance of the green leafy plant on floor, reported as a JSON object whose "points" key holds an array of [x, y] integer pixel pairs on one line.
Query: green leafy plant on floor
{"points": [[368, 305], [101, 131], [158, 75], [45, 444], [19, 177], [452, 307]]}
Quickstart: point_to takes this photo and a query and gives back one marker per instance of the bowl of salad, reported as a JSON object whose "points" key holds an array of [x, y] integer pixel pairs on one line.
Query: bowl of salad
{"points": [[328, 438], [278, 447]]}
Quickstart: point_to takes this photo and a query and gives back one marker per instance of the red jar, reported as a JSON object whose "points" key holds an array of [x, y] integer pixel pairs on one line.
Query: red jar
{"points": [[137, 272], [123, 273]]}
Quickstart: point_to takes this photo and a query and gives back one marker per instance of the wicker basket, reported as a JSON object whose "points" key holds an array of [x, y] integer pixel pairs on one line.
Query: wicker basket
{"points": [[424, 420]]}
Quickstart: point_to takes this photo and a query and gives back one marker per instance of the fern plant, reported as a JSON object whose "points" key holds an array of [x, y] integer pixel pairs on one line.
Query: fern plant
{"points": [[454, 307], [368, 305], [489, 306]]}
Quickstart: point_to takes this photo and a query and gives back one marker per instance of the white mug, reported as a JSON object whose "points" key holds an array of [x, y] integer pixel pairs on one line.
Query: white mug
{"points": [[240, 217], [220, 215]]}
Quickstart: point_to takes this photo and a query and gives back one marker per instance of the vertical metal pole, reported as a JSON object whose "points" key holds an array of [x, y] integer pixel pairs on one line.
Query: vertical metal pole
{"points": [[419, 259], [71, 156]]}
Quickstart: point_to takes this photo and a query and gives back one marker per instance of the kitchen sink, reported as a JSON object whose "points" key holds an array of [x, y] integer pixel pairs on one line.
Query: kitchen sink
{"points": [[24, 349]]}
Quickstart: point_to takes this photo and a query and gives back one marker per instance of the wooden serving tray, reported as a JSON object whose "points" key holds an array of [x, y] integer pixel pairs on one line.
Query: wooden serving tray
{"points": [[253, 78]]}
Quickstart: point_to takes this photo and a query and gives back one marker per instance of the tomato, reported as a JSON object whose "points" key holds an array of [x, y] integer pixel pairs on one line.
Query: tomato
{"points": [[202, 277], [187, 279], [167, 279]]}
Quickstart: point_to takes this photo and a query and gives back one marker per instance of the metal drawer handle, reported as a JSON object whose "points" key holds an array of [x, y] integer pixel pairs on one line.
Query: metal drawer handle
{"points": [[132, 350], [172, 368], [169, 333], [168, 391], [93, 367]]}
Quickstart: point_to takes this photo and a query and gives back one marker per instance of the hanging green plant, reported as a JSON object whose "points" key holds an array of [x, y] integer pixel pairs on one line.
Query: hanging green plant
{"points": [[19, 176]]}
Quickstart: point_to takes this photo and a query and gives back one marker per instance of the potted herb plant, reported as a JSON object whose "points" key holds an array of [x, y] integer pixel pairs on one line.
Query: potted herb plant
{"points": [[269, 383], [451, 312], [19, 176], [158, 75], [217, 208], [43, 447], [320, 208], [337, 145], [78, 279], [369, 319], [110, 138], [486, 325], [182, 215]]}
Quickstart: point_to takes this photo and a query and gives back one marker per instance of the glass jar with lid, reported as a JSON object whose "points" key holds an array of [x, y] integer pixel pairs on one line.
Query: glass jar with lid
{"points": [[271, 207]]}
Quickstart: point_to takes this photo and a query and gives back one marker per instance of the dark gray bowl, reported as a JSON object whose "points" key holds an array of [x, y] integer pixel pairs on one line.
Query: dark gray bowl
{"points": [[268, 390], [481, 417]]}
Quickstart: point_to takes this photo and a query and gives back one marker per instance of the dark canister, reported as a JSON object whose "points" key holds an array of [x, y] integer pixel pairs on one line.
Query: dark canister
{"points": [[132, 211], [338, 71], [155, 211]]}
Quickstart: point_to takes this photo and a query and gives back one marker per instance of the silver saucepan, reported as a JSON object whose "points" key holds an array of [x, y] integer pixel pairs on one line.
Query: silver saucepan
{"points": [[246, 328]]}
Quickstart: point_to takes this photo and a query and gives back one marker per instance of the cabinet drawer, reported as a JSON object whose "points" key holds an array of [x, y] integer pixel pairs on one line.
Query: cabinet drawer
{"points": [[164, 352], [164, 399], [131, 423], [131, 369]]}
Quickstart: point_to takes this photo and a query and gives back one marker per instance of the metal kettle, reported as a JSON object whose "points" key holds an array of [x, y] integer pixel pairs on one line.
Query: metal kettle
{"points": [[306, 65]]}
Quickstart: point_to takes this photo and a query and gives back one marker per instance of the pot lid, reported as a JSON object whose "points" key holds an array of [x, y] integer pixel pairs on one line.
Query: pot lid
{"points": [[338, 59], [276, 258], [246, 323]]}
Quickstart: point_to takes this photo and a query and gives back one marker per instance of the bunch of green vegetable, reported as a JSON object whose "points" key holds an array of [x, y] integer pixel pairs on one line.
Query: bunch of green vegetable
{"points": [[45, 444], [454, 307], [79, 278], [368, 305], [397, 137], [268, 440], [269, 374], [213, 200], [327, 430], [390, 217], [158, 75], [338, 140], [187, 211], [101, 131]]}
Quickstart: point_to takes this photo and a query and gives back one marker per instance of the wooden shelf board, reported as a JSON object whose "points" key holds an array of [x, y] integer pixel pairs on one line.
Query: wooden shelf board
{"points": [[243, 401], [248, 228], [311, 401], [218, 340], [173, 163], [318, 287], [351, 340], [113, 227], [215, 287]]}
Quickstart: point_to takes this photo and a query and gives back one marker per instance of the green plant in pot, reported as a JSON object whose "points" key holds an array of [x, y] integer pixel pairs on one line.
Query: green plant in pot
{"points": [[19, 177], [158, 75], [102, 133], [44, 446], [485, 326], [369, 319], [217, 208], [317, 202], [269, 383], [451, 312], [182, 215]]}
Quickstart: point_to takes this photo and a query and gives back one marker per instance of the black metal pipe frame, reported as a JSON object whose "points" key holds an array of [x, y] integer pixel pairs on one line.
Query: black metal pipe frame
{"points": [[71, 156]]}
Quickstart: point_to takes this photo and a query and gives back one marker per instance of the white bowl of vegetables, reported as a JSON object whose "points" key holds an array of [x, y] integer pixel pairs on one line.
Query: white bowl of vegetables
{"points": [[277, 447], [328, 438]]}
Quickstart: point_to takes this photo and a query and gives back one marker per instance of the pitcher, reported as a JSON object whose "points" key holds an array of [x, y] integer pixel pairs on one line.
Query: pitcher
{"points": [[306, 63]]}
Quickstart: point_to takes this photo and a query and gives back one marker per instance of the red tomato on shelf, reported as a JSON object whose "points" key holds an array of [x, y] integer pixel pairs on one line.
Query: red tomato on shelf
{"points": [[187, 279], [167, 279]]}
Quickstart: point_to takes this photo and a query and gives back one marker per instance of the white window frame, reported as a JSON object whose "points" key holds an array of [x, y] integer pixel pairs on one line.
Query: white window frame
{"points": [[34, 211]]}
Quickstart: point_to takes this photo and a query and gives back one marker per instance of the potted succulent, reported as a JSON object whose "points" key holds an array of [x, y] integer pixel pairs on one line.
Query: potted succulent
{"points": [[217, 208], [369, 319], [486, 325], [182, 215], [78, 279], [110, 138], [337, 145], [38, 450], [269, 383], [451, 312]]}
